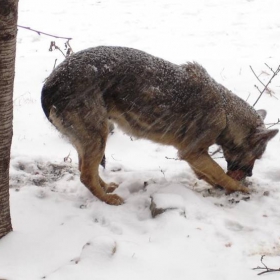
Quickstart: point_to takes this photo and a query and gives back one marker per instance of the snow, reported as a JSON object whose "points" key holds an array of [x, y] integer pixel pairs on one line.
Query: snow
{"points": [[62, 232]]}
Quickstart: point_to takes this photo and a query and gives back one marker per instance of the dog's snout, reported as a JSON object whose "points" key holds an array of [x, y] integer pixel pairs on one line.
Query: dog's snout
{"points": [[246, 169]]}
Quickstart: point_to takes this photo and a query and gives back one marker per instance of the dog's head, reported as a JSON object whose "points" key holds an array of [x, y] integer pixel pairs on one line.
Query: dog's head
{"points": [[241, 159]]}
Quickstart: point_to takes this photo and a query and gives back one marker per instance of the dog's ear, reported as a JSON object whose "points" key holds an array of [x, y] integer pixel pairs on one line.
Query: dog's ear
{"points": [[262, 113], [263, 135]]}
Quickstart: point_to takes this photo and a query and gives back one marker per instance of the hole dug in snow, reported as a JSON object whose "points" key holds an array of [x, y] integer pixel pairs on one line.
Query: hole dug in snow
{"points": [[101, 247], [162, 202]]}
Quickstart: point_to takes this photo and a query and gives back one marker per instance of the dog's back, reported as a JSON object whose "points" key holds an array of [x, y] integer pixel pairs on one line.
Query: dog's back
{"points": [[147, 96]]}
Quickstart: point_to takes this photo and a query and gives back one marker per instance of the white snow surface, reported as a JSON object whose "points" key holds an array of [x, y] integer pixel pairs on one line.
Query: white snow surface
{"points": [[62, 232]]}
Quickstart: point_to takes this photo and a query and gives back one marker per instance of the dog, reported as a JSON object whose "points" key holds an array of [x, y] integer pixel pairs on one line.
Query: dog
{"points": [[148, 97]]}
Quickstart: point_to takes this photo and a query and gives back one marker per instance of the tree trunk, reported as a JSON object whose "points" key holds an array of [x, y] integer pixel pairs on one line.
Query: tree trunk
{"points": [[8, 33]]}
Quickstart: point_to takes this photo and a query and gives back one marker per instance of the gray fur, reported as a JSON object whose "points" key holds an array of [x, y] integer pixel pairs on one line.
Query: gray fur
{"points": [[151, 98]]}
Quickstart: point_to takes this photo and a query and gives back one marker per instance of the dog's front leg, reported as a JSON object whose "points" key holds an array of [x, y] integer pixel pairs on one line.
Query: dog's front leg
{"points": [[211, 172], [202, 176]]}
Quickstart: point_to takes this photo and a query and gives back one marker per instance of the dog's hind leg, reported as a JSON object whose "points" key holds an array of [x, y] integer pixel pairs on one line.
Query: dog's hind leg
{"points": [[91, 158], [108, 188], [88, 133]]}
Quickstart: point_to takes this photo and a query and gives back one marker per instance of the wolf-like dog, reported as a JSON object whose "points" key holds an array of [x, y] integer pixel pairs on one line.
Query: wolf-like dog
{"points": [[148, 97]]}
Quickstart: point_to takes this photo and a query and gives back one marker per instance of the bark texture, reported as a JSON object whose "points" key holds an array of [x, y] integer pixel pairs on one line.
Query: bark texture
{"points": [[8, 33]]}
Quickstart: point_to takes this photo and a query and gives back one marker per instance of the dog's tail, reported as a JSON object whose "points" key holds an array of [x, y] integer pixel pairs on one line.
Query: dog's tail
{"points": [[46, 101]]}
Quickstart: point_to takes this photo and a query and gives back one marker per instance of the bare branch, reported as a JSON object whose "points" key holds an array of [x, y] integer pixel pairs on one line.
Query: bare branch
{"points": [[54, 63], [270, 68], [257, 88], [44, 33], [68, 48], [265, 268], [273, 124], [218, 150], [54, 46], [265, 85], [263, 262], [248, 96], [257, 76]]}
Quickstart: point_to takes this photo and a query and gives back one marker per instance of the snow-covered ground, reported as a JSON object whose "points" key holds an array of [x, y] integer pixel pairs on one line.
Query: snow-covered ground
{"points": [[62, 232]]}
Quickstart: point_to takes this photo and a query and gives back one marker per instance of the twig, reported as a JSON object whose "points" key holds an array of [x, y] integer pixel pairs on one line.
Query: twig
{"points": [[270, 68], [68, 48], [248, 97], [54, 46], [223, 77], [267, 269], [112, 156], [20, 97], [257, 76], [273, 124], [67, 158], [265, 86], [258, 89], [162, 171], [219, 149], [54, 63], [218, 157], [172, 158], [44, 33]]}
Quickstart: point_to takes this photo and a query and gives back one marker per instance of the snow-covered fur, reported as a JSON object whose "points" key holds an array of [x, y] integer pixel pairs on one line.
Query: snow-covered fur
{"points": [[148, 97]]}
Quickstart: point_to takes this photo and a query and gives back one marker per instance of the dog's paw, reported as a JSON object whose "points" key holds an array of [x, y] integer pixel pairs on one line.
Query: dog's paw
{"points": [[113, 199], [111, 187], [245, 189], [240, 188]]}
